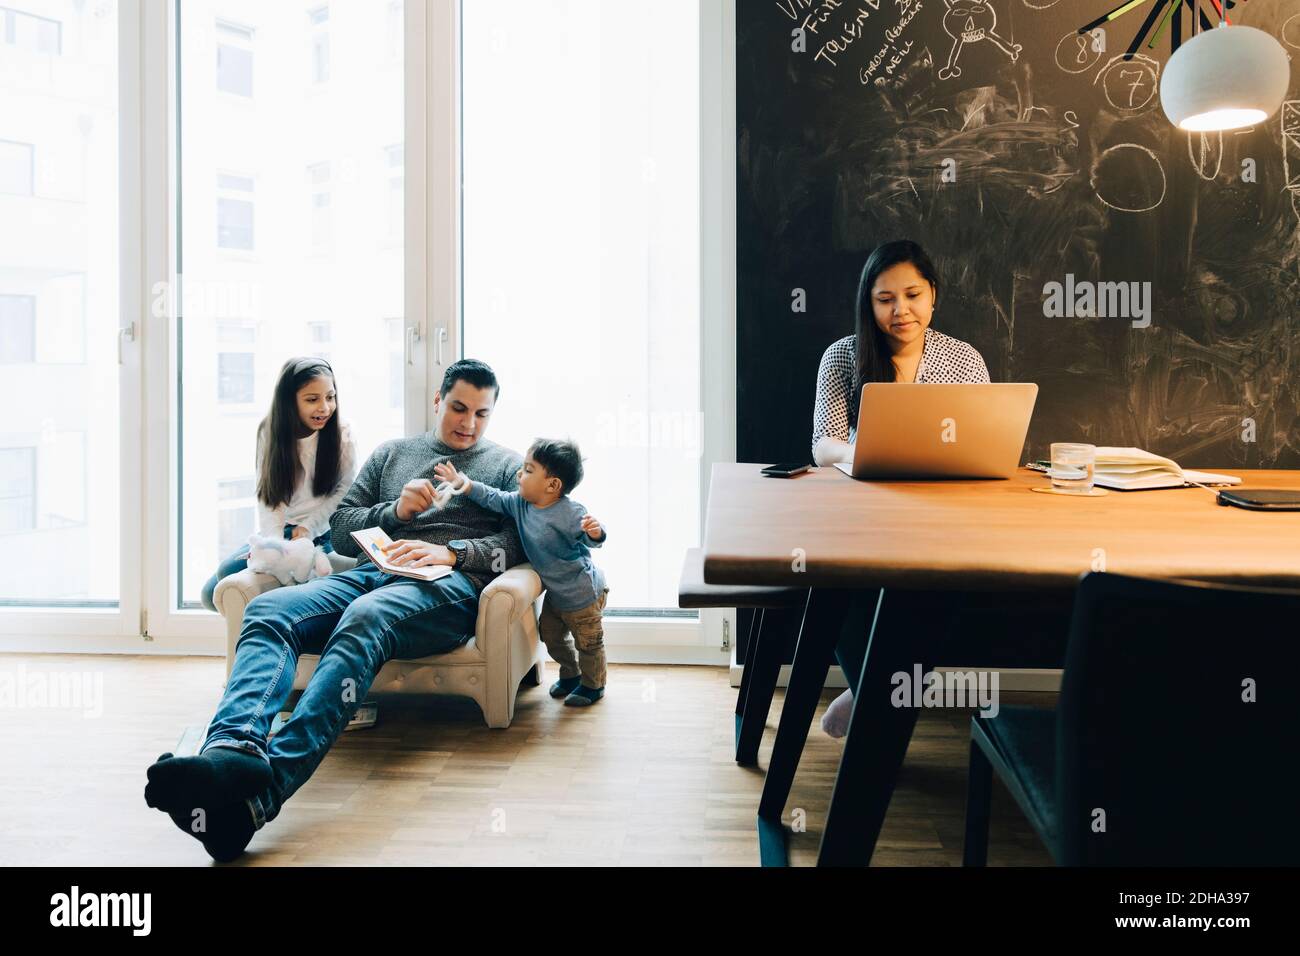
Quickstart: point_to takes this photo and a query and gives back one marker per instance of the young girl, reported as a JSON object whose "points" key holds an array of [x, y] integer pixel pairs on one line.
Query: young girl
{"points": [[306, 461]]}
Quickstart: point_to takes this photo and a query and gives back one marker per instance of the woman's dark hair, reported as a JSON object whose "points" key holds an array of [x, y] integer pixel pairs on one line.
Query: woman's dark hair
{"points": [[872, 358], [278, 434]]}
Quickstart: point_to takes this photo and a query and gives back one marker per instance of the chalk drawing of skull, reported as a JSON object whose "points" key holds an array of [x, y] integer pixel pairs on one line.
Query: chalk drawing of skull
{"points": [[969, 21]]}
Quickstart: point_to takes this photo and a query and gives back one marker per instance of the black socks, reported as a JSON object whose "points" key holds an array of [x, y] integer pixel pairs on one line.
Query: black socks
{"points": [[219, 776], [224, 832], [206, 796]]}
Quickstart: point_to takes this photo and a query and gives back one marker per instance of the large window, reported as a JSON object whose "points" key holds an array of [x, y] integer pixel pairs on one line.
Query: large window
{"points": [[60, 432], [581, 263], [254, 207], [297, 170]]}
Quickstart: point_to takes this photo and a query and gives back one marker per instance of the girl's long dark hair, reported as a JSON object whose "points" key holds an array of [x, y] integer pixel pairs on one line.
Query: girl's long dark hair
{"points": [[872, 358], [278, 434]]}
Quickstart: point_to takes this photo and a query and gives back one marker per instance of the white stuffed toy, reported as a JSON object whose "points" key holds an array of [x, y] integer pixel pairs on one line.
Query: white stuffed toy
{"points": [[294, 561]]}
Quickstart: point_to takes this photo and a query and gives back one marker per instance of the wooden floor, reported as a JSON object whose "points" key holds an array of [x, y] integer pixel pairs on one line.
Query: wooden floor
{"points": [[646, 777]]}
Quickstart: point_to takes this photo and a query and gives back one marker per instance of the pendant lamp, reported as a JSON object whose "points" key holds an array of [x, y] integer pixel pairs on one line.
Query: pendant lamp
{"points": [[1225, 78]]}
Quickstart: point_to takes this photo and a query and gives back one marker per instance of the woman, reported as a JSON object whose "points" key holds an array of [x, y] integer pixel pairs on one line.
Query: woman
{"points": [[306, 461], [892, 342]]}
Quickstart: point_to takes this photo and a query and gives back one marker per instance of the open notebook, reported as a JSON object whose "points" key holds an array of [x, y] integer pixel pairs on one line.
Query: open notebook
{"points": [[374, 543], [1132, 469]]}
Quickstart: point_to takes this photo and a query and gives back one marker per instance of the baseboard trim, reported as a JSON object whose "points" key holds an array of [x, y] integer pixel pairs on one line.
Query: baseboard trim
{"points": [[1034, 680]]}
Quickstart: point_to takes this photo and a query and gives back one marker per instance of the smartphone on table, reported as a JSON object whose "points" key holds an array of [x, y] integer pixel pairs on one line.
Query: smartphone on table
{"points": [[786, 469]]}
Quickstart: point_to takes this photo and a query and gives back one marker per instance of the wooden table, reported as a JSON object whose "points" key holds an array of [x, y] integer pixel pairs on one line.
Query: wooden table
{"points": [[925, 543]]}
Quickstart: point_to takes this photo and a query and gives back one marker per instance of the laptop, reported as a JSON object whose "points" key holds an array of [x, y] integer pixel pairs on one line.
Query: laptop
{"points": [[922, 430]]}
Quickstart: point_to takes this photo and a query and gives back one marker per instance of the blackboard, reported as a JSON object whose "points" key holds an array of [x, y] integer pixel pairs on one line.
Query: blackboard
{"points": [[1065, 166]]}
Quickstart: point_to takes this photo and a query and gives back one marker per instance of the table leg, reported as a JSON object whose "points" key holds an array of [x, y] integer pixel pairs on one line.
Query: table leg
{"points": [[822, 620], [762, 667], [746, 672], [908, 627], [751, 641]]}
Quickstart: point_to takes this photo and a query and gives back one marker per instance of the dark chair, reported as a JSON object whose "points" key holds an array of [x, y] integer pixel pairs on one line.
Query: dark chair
{"points": [[1174, 738], [767, 642]]}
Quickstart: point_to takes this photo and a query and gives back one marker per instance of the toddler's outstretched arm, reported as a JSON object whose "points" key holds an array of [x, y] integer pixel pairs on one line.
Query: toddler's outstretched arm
{"points": [[506, 503]]}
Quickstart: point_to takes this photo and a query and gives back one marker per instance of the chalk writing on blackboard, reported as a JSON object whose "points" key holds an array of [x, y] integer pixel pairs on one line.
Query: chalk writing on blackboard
{"points": [[1291, 151], [1206, 151], [1059, 171], [814, 12], [1128, 177], [971, 21], [817, 18], [851, 30], [1076, 53], [1291, 32], [891, 53], [1130, 84]]}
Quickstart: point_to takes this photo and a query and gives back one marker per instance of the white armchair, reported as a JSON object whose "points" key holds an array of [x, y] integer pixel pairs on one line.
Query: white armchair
{"points": [[504, 653]]}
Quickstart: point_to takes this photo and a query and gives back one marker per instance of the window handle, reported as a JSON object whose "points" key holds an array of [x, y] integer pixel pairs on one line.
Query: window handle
{"points": [[442, 337], [126, 332], [412, 336]]}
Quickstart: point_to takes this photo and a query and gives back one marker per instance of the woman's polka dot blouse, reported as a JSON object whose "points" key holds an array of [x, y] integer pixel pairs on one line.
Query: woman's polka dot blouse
{"points": [[943, 359]]}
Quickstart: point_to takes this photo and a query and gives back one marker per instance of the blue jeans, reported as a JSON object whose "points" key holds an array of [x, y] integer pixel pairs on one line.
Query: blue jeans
{"points": [[356, 620], [239, 561]]}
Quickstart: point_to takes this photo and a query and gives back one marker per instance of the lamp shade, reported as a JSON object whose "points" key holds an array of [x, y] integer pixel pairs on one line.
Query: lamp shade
{"points": [[1225, 78]]}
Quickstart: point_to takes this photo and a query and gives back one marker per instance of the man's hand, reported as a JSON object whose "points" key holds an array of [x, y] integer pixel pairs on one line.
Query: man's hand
{"points": [[593, 528], [300, 532], [417, 496], [418, 554]]}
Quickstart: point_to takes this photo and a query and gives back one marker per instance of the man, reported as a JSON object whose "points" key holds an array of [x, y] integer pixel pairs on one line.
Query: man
{"points": [[356, 620]]}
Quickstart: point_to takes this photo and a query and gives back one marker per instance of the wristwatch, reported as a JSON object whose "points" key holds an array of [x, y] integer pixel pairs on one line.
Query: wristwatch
{"points": [[460, 549]]}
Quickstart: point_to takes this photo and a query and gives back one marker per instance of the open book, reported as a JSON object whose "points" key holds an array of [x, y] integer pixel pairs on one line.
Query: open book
{"points": [[1132, 469], [374, 543]]}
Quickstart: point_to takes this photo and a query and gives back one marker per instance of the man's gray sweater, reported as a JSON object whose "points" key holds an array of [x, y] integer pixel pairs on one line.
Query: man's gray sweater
{"points": [[372, 502]]}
